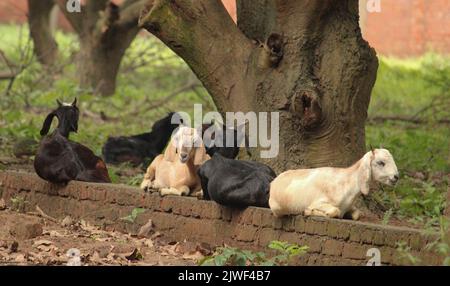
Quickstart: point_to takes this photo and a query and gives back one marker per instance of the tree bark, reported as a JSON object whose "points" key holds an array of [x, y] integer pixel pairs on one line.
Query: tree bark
{"points": [[304, 59], [105, 31], [41, 30]]}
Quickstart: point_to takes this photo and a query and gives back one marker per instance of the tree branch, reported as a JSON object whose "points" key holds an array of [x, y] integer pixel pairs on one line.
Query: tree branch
{"points": [[130, 11], [255, 18], [204, 35]]}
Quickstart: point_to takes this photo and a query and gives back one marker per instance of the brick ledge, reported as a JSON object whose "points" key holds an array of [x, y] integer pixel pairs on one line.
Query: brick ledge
{"points": [[331, 241]]}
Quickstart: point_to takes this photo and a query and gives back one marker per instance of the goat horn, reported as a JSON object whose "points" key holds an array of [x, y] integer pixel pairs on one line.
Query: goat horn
{"points": [[59, 102], [371, 148], [74, 103]]}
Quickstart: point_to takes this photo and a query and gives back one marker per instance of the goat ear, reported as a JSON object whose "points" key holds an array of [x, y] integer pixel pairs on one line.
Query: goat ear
{"points": [[365, 174], [200, 155], [47, 123], [59, 103], [170, 153], [74, 103]]}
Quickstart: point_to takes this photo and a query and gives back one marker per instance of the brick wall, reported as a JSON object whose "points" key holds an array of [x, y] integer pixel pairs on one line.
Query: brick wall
{"points": [[331, 241], [409, 27]]}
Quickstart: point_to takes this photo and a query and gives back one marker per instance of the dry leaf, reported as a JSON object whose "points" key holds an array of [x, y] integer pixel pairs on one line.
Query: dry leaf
{"points": [[2, 204], [67, 221], [145, 229], [135, 255], [149, 243], [193, 255], [13, 247], [42, 242], [20, 258]]}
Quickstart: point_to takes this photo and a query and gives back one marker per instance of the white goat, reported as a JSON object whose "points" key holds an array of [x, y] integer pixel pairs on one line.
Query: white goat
{"points": [[328, 191]]}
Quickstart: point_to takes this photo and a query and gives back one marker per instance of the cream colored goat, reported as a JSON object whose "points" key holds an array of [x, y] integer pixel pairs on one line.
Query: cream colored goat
{"points": [[330, 192], [175, 172]]}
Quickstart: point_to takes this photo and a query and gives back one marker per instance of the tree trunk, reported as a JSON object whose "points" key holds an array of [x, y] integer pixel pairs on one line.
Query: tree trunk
{"points": [[105, 31], [41, 30], [304, 59], [99, 60]]}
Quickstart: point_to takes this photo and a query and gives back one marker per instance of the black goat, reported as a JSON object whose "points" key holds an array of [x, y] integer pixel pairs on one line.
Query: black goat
{"points": [[220, 135], [59, 160], [140, 148], [236, 183]]}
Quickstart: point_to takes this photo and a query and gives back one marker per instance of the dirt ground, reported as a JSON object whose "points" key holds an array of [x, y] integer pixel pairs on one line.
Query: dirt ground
{"points": [[30, 239]]}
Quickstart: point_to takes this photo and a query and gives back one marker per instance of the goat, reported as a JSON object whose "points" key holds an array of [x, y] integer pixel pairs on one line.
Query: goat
{"points": [[59, 160], [175, 171], [330, 192], [236, 183], [140, 148], [219, 136]]}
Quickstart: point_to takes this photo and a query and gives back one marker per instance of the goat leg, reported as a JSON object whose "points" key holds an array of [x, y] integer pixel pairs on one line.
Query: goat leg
{"points": [[179, 191]]}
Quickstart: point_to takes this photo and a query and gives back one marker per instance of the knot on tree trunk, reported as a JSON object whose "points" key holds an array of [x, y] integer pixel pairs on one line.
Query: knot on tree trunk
{"points": [[305, 105], [272, 51]]}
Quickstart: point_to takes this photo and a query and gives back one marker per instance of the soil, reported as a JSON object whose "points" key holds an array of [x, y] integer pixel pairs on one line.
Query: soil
{"points": [[28, 239]]}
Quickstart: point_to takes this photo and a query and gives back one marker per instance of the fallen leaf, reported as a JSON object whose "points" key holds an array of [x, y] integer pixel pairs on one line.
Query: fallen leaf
{"points": [[145, 229], [135, 255], [149, 243], [20, 258], [13, 247], [67, 221], [2, 204], [54, 233], [42, 242], [194, 255]]}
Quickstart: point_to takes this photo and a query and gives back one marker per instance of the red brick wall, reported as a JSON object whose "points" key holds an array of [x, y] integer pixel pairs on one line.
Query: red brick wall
{"points": [[403, 28], [409, 27]]}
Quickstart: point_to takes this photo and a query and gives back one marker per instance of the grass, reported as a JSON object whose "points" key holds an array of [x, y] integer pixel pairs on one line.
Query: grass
{"points": [[416, 88]]}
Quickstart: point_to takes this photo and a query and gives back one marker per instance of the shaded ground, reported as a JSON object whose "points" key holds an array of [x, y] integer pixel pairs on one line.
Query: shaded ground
{"points": [[30, 239]]}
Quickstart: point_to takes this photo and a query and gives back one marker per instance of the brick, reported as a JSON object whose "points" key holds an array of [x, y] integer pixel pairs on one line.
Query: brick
{"points": [[257, 217], [392, 237], [266, 235], [247, 216], [267, 219], [300, 224], [333, 247], [152, 201], [320, 226], [277, 223], [167, 203], [314, 243], [212, 211], [417, 242], [291, 237], [226, 213], [288, 223], [355, 251], [246, 233], [99, 195]]}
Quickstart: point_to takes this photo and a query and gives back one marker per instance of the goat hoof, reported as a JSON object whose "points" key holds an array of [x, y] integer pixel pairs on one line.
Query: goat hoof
{"points": [[356, 215]]}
